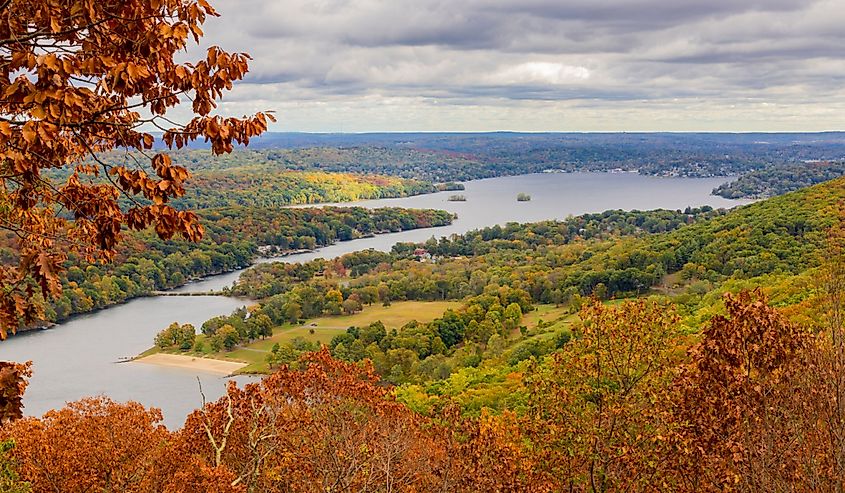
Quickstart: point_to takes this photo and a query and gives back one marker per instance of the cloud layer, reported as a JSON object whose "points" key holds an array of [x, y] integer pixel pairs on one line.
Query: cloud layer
{"points": [[367, 65]]}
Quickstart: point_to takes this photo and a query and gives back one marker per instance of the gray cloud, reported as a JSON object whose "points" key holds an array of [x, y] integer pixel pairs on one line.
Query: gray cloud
{"points": [[504, 64]]}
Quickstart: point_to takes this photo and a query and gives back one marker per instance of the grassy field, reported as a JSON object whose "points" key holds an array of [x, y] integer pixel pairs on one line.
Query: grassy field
{"points": [[555, 319], [546, 313], [321, 330], [393, 316]]}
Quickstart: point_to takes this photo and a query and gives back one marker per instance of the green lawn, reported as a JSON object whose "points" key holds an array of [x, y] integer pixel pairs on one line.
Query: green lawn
{"points": [[393, 317], [255, 358], [546, 313], [324, 328]]}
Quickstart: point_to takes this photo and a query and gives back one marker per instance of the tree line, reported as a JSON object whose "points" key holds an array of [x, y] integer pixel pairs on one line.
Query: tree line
{"points": [[234, 238], [777, 180]]}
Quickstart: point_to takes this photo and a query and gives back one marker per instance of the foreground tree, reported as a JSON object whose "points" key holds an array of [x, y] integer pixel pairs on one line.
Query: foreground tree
{"points": [[81, 78], [742, 417], [99, 445], [591, 410], [491, 453], [327, 427]]}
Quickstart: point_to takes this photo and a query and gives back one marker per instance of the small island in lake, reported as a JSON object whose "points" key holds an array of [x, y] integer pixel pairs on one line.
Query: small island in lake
{"points": [[523, 197], [457, 198]]}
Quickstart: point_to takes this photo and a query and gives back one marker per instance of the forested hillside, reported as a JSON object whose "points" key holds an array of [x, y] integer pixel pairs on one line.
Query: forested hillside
{"points": [[234, 237], [777, 180], [625, 252], [412, 164], [247, 178], [501, 274], [593, 351], [263, 186]]}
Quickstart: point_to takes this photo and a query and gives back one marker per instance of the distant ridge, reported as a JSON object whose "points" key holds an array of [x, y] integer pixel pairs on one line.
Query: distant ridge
{"points": [[444, 140]]}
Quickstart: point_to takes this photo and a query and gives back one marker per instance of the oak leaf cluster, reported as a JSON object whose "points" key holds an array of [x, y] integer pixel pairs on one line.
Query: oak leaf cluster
{"points": [[82, 78]]}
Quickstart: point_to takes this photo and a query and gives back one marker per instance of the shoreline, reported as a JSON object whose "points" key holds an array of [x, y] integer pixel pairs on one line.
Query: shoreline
{"points": [[175, 290], [205, 365]]}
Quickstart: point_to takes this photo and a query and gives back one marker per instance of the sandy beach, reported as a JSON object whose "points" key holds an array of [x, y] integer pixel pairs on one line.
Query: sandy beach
{"points": [[204, 365]]}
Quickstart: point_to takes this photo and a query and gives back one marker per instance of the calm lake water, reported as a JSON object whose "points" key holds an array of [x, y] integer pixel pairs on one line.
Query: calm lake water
{"points": [[79, 358], [493, 201]]}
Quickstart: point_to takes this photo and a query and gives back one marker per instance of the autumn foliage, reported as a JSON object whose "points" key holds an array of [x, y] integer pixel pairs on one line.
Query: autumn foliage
{"points": [[733, 403], [592, 410], [13, 383], [81, 78], [327, 427], [99, 445], [754, 405]]}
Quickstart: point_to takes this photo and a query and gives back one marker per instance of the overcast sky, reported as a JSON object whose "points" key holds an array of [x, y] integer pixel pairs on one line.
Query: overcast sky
{"points": [[538, 65]]}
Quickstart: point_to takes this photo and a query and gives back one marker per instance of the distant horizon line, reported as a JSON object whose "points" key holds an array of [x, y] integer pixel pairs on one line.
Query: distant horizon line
{"points": [[553, 132]]}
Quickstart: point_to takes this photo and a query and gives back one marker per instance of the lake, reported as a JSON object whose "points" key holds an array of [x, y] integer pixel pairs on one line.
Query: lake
{"points": [[80, 357], [493, 201]]}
